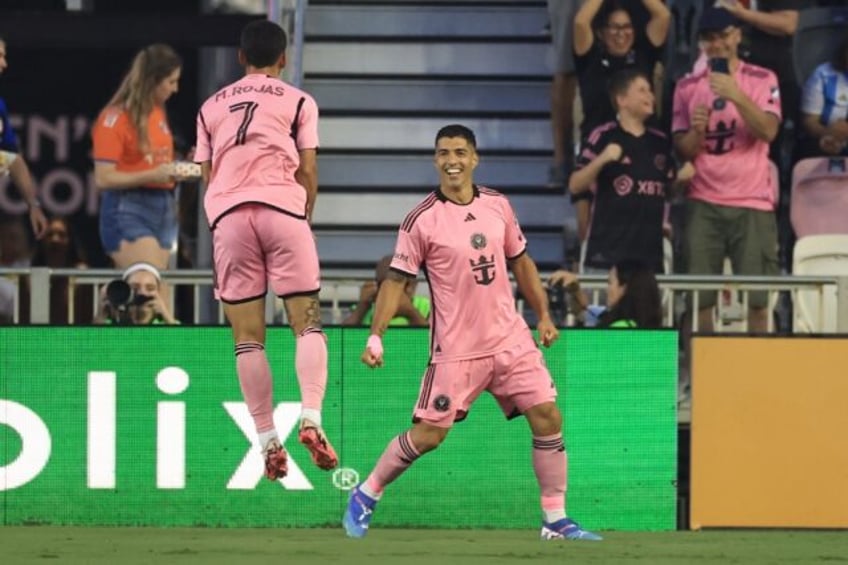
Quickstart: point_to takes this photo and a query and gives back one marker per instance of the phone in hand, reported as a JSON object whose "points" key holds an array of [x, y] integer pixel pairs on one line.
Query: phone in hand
{"points": [[719, 65]]}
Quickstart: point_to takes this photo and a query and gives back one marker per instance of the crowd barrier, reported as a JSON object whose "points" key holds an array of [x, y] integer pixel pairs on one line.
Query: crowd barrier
{"points": [[340, 289]]}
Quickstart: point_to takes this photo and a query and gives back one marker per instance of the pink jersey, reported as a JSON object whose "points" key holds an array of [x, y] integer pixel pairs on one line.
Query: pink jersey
{"points": [[463, 250], [252, 131], [733, 168]]}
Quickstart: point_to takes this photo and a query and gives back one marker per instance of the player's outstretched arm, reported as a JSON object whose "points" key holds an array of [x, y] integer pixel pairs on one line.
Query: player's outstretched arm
{"points": [[388, 297], [530, 286]]}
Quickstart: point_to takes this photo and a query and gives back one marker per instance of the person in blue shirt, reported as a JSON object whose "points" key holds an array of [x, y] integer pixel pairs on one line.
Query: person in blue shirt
{"points": [[12, 162]]}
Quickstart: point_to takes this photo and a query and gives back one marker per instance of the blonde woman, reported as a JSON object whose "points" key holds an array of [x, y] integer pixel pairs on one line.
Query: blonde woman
{"points": [[133, 155]]}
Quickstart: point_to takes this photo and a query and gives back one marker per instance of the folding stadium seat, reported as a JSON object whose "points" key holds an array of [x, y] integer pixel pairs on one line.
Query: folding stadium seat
{"points": [[819, 202], [818, 255], [819, 33]]}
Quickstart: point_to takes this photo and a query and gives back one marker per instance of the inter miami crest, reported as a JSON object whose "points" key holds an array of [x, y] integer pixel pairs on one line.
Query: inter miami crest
{"points": [[441, 403], [478, 241]]}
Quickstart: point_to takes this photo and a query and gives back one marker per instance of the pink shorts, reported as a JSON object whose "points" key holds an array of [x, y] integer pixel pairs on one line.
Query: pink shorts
{"points": [[518, 379], [254, 245]]}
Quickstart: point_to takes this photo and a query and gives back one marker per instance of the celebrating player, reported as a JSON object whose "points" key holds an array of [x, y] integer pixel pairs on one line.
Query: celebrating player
{"points": [[468, 236], [256, 142]]}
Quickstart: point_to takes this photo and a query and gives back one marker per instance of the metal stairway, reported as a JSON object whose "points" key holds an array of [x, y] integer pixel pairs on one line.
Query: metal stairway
{"points": [[387, 75]]}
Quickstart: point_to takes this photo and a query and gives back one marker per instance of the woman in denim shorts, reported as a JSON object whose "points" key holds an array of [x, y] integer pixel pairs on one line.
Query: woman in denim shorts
{"points": [[133, 162]]}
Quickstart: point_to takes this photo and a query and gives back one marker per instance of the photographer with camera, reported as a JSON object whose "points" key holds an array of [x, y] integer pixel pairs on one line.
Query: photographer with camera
{"points": [[135, 299], [632, 297]]}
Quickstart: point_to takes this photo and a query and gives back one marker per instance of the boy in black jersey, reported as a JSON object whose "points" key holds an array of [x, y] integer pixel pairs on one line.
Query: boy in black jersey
{"points": [[628, 165]]}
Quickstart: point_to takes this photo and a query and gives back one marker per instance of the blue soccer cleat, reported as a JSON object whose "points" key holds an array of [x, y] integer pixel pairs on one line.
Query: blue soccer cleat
{"points": [[567, 529], [357, 516]]}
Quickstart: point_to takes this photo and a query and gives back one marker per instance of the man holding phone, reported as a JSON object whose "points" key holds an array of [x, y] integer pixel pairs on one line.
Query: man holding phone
{"points": [[723, 120]]}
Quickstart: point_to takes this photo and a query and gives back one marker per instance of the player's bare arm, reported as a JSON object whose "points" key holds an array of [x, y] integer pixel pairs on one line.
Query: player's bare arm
{"points": [[530, 286], [388, 298], [206, 171], [307, 176]]}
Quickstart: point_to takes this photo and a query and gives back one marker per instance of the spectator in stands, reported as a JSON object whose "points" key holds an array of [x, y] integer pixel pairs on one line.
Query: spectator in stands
{"points": [[724, 118], [825, 106], [601, 50], [629, 167], [633, 297], [13, 162], [412, 310], [14, 253], [59, 249], [771, 29], [563, 89], [138, 302], [133, 162]]}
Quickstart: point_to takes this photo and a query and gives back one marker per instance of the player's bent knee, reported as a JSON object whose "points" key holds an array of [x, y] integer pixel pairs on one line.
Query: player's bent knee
{"points": [[426, 437], [545, 419]]}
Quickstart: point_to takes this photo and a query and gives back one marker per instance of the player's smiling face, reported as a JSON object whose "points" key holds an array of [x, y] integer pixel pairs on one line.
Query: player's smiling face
{"points": [[456, 160]]}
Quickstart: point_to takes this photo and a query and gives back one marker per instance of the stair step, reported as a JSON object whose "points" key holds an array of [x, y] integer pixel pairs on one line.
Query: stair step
{"points": [[419, 133], [362, 249], [369, 209], [446, 58], [358, 171], [460, 96], [370, 20]]}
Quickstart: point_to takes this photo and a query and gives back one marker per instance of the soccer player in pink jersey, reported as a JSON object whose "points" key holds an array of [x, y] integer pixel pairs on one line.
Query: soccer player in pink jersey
{"points": [[256, 142], [468, 238], [724, 118]]}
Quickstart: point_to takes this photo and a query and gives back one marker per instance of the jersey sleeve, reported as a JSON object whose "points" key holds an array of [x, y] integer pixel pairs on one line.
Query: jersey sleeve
{"points": [[514, 242], [307, 125], [203, 149], [680, 119], [589, 149], [812, 97], [409, 251], [766, 94], [108, 136], [8, 139]]}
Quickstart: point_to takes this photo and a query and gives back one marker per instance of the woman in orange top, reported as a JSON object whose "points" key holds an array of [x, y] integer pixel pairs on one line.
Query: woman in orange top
{"points": [[133, 155]]}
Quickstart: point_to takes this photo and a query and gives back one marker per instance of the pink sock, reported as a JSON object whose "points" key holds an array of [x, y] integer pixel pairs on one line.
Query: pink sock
{"points": [[397, 458], [551, 466], [310, 362], [254, 375]]}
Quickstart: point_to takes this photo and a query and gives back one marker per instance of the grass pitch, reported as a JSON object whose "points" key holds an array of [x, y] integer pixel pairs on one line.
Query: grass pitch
{"points": [[129, 546]]}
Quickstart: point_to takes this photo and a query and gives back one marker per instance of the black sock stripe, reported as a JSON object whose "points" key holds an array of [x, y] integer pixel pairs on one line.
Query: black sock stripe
{"points": [[406, 447], [247, 347]]}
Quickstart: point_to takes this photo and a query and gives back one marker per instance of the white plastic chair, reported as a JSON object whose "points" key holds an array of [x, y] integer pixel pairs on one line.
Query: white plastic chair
{"points": [[815, 312]]}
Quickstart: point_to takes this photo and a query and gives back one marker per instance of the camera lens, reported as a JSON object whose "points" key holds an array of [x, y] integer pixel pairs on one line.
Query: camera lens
{"points": [[118, 293]]}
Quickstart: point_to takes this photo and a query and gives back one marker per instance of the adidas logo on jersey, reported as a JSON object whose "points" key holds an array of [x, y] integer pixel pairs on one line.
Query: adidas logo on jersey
{"points": [[470, 217]]}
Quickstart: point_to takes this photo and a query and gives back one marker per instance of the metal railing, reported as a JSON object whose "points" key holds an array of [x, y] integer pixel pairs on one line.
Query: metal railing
{"points": [[341, 287]]}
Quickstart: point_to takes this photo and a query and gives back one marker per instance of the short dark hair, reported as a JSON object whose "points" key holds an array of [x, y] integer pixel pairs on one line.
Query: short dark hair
{"points": [[641, 300], [262, 42], [621, 80], [457, 130]]}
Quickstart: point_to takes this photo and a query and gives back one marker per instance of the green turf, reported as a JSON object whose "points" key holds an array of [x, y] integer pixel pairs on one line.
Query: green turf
{"points": [[127, 546]]}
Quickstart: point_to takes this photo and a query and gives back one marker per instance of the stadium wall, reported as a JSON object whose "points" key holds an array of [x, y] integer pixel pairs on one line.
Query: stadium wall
{"points": [[768, 432], [146, 426]]}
